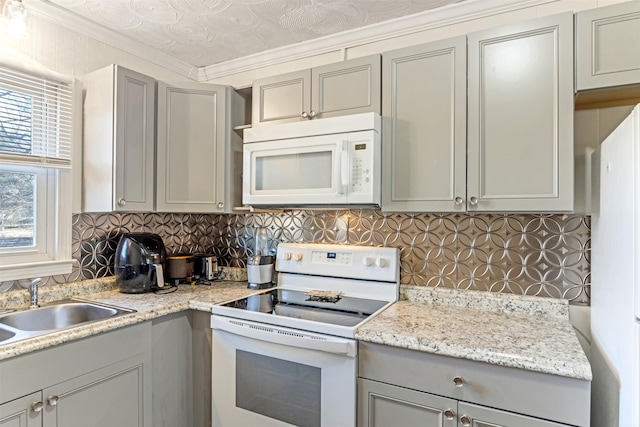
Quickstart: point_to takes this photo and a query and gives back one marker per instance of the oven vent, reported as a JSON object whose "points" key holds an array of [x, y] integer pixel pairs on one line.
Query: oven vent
{"points": [[291, 334], [278, 331], [246, 325]]}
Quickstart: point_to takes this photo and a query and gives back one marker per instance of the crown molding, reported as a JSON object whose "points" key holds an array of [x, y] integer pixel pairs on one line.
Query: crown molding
{"points": [[430, 19], [105, 35]]}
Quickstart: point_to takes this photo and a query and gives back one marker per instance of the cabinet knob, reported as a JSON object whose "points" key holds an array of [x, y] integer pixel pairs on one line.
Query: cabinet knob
{"points": [[312, 114], [458, 201], [37, 406], [449, 414], [304, 115], [458, 381], [473, 201], [220, 205], [465, 420], [52, 400], [121, 202]]}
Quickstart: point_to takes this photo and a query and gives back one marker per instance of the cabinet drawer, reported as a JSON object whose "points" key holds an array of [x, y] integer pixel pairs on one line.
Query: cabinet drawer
{"points": [[537, 394]]}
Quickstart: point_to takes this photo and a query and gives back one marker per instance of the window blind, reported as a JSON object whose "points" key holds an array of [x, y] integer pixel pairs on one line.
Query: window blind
{"points": [[35, 120]]}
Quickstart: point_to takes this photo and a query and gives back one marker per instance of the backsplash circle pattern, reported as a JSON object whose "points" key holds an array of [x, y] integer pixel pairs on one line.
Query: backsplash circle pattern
{"points": [[544, 255]]}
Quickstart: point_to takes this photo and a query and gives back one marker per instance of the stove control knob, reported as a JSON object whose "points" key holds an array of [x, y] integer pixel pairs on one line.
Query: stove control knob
{"points": [[380, 262], [366, 261], [298, 256], [286, 256]]}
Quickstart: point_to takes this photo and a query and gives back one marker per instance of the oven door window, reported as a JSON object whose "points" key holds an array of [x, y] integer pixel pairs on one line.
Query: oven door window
{"points": [[279, 389]]}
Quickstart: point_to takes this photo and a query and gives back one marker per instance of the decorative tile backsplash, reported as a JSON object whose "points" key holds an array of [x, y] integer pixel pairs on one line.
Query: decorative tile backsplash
{"points": [[545, 255]]}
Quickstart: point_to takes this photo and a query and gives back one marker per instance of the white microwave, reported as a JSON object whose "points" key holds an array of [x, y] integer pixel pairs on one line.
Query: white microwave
{"points": [[322, 162]]}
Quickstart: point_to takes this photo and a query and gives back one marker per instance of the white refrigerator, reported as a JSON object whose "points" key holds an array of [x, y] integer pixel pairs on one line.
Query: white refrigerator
{"points": [[615, 278]]}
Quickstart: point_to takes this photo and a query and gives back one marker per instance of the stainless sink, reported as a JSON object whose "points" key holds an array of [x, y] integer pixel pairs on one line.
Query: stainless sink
{"points": [[53, 317], [6, 335]]}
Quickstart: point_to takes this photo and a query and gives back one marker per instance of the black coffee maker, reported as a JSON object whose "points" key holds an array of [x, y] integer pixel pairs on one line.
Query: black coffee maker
{"points": [[140, 263]]}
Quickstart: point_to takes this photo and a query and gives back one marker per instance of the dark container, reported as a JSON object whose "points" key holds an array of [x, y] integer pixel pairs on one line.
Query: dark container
{"points": [[140, 263]]}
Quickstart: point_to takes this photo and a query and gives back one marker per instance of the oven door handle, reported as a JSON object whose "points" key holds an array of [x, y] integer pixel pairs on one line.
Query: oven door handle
{"points": [[287, 337]]}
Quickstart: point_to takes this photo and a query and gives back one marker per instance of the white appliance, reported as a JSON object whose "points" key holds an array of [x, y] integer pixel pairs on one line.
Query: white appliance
{"points": [[333, 161], [615, 278], [287, 356]]}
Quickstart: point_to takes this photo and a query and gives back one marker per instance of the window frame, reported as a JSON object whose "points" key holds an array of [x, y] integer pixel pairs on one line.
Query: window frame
{"points": [[55, 184]]}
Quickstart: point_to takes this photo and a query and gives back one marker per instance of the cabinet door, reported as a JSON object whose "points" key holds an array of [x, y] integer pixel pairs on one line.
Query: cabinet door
{"points": [[117, 395], [481, 416], [608, 46], [191, 147], [348, 87], [424, 125], [520, 135], [384, 405], [20, 413], [282, 98], [134, 141]]}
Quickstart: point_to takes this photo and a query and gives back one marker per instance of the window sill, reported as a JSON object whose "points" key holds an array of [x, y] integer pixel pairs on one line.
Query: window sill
{"points": [[37, 269]]}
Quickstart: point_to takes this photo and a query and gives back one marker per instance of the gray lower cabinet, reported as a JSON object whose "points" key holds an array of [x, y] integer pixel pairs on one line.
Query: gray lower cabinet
{"points": [[608, 46], [386, 405], [196, 149], [102, 381], [400, 387], [182, 369], [520, 117], [20, 413], [347, 87]]}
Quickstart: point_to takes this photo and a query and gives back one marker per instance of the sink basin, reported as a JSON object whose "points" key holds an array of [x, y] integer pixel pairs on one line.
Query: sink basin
{"points": [[60, 315], [57, 316], [6, 335]]}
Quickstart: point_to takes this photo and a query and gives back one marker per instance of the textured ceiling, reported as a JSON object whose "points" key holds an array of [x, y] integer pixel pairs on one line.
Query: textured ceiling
{"points": [[207, 32]]}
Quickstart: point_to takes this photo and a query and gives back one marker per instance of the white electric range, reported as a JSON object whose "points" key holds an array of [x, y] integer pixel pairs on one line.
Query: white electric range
{"points": [[287, 356]]}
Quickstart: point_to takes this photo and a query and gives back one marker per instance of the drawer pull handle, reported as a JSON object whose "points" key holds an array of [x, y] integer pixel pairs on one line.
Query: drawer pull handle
{"points": [[465, 421], [37, 406], [458, 381], [449, 414]]}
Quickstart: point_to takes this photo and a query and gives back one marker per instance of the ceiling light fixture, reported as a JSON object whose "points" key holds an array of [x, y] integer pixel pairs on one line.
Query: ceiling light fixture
{"points": [[15, 15]]}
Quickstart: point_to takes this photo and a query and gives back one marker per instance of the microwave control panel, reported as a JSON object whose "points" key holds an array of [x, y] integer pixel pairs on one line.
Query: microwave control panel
{"points": [[361, 166]]}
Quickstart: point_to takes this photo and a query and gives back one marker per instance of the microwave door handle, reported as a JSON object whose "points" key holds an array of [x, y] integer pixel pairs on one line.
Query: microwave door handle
{"points": [[341, 172]]}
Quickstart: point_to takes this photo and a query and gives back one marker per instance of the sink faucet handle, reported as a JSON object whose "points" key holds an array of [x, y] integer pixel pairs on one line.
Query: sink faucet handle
{"points": [[33, 290]]}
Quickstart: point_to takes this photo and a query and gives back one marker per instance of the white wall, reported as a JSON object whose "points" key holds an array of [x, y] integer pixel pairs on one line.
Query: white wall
{"points": [[69, 52], [434, 32]]}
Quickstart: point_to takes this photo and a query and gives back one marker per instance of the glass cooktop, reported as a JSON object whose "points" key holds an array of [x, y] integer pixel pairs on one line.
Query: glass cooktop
{"points": [[319, 307]]}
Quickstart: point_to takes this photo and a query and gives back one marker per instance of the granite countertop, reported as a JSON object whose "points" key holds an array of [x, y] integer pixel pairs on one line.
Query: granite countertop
{"points": [[531, 333], [147, 306]]}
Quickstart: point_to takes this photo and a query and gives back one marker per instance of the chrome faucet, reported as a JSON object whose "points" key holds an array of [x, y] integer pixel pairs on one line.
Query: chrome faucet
{"points": [[33, 291]]}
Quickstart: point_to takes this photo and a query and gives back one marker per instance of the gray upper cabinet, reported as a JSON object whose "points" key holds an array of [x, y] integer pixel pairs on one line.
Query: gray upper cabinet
{"points": [[520, 117], [119, 141], [282, 98], [424, 124], [193, 148], [347, 87], [608, 46]]}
